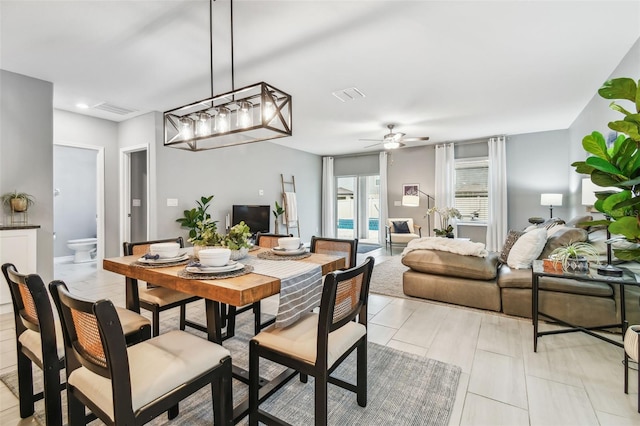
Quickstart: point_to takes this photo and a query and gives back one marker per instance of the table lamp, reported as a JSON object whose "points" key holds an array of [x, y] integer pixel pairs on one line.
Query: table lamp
{"points": [[551, 200]]}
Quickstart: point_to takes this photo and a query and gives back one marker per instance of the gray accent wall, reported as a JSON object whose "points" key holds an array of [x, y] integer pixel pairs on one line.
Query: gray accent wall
{"points": [[26, 154]]}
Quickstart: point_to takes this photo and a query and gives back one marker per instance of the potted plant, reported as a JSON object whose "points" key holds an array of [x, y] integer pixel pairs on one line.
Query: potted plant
{"points": [[237, 240], [18, 201], [279, 211], [617, 165], [202, 229], [446, 213], [573, 257]]}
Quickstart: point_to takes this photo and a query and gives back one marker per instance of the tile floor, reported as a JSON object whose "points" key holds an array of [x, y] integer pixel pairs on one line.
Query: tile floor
{"points": [[573, 379]]}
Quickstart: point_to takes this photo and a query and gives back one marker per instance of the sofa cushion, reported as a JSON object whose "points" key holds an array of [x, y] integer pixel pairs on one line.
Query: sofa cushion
{"points": [[451, 264], [511, 239], [562, 237], [527, 249], [401, 227], [521, 278]]}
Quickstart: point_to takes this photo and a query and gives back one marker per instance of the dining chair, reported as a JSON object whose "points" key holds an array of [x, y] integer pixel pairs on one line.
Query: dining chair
{"points": [[269, 240], [229, 312], [336, 247], [631, 350], [39, 341], [127, 386], [317, 343], [159, 299]]}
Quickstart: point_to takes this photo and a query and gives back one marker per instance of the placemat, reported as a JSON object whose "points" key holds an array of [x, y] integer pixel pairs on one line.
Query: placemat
{"points": [[219, 276], [161, 265], [254, 248], [271, 256]]}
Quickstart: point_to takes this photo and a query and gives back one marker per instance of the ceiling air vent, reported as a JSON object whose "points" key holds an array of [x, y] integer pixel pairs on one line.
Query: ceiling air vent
{"points": [[349, 94], [105, 106]]}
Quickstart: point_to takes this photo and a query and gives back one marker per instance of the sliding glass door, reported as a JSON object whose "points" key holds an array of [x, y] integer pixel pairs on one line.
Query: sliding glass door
{"points": [[357, 207]]}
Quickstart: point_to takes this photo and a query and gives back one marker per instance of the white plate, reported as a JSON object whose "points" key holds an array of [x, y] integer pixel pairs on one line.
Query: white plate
{"points": [[179, 258], [230, 267], [283, 252]]}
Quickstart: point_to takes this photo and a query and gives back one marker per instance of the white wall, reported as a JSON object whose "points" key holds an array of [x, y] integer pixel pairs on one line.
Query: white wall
{"points": [[26, 154]]}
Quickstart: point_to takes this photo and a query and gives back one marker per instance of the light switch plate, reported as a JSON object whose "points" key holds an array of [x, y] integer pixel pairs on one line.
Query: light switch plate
{"points": [[172, 202], [397, 203]]}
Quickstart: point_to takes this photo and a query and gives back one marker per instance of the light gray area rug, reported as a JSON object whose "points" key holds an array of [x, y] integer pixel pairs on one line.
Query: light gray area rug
{"points": [[387, 278], [403, 389]]}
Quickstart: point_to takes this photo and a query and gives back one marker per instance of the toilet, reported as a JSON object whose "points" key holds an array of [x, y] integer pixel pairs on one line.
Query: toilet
{"points": [[84, 248]]}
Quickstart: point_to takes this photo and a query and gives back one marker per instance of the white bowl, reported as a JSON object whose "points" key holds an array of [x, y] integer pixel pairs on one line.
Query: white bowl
{"points": [[289, 243], [165, 250], [214, 257]]}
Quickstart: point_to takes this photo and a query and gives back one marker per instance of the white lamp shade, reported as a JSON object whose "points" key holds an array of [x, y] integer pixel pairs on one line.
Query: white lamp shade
{"points": [[551, 199], [410, 200]]}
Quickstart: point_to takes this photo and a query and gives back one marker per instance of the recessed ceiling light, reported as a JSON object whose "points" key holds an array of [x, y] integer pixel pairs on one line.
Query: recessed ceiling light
{"points": [[82, 106]]}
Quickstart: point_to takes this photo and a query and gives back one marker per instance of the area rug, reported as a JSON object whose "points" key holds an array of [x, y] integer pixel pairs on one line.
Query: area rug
{"points": [[403, 389], [366, 248], [387, 278]]}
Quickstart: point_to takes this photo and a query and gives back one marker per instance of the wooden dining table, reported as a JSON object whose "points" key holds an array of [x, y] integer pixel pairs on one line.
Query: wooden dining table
{"points": [[236, 291]]}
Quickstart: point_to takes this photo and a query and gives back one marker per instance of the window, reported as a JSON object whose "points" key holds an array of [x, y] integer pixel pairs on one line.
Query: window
{"points": [[472, 188]]}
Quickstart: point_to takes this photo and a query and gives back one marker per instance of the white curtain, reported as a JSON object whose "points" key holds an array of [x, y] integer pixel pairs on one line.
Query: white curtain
{"points": [[497, 215], [328, 198], [384, 206], [445, 184]]}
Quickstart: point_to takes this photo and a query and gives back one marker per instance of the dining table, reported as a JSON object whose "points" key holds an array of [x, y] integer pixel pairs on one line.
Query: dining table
{"points": [[236, 291]]}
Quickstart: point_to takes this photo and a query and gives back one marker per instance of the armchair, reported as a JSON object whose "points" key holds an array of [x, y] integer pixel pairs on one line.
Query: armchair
{"points": [[397, 233]]}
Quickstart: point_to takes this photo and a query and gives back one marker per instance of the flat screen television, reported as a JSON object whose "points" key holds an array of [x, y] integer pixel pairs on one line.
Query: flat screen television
{"points": [[256, 217]]}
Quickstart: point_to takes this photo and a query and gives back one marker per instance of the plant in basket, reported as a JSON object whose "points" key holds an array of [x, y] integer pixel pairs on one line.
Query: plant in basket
{"points": [[573, 257]]}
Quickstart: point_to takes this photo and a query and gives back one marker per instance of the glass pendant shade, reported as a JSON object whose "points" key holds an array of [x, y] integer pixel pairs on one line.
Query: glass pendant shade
{"points": [[203, 125], [244, 115], [222, 119]]}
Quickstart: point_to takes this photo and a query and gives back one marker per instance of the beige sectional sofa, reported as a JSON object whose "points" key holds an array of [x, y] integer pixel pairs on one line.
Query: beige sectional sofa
{"points": [[486, 283]]}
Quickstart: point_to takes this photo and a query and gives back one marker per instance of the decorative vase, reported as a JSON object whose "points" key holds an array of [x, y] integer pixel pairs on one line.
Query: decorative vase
{"points": [[579, 264], [239, 254], [450, 235]]}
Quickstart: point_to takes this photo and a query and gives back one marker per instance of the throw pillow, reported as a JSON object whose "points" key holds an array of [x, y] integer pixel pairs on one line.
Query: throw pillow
{"points": [[511, 239], [527, 248], [563, 237], [578, 221], [401, 227]]}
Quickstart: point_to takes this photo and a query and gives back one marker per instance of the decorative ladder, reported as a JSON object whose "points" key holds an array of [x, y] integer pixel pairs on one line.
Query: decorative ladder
{"points": [[291, 185]]}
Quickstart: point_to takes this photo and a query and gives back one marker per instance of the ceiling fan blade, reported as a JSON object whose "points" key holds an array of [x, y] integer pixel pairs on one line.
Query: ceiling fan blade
{"points": [[371, 146], [372, 140], [423, 138]]}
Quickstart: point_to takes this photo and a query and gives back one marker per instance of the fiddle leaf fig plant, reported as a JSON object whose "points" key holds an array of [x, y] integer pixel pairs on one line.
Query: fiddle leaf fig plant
{"points": [[617, 165], [202, 229]]}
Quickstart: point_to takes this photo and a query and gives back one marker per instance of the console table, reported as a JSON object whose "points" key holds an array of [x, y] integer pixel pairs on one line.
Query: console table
{"points": [[538, 271]]}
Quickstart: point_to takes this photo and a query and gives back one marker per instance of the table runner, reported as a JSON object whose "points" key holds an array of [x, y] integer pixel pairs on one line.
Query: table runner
{"points": [[300, 286]]}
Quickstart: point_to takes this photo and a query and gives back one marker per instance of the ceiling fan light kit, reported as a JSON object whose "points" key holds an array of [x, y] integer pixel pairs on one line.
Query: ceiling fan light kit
{"points": [[253, 113], [394, 140]]}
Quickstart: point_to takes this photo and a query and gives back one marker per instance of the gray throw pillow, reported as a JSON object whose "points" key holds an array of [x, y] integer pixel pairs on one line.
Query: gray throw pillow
{"points": [[511, 239], [401, 227]]}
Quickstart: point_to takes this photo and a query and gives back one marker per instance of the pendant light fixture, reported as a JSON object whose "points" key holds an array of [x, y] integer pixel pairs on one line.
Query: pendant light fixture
{"points": [[253, 113]]}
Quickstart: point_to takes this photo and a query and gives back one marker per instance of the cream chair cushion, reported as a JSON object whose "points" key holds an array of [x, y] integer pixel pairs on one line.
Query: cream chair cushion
{"points": [[631, 342], [162, 296], [157, 366], [131, 321], [300, 339], [31, 341]]}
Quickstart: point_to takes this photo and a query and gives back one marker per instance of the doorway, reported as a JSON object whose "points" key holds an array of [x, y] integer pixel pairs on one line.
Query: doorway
{"points": [[357, 207], [134, 202], [78, 198]]}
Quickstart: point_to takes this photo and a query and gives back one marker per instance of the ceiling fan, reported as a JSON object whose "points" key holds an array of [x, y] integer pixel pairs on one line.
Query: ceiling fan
{"points": [[394, 140]]}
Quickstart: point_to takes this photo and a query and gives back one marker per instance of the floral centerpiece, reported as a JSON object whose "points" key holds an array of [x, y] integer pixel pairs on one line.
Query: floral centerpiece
{"points": [[444, 213], [237, 240], [203, 231]]}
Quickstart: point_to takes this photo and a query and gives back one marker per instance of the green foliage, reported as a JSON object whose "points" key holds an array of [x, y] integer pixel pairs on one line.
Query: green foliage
{"points": [[202, 229], [618, 165], [279, 210], [238, 237]]}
